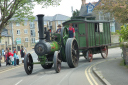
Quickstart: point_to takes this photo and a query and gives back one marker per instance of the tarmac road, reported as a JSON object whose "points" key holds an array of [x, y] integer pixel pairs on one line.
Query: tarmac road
{"points": [[82, 75]]}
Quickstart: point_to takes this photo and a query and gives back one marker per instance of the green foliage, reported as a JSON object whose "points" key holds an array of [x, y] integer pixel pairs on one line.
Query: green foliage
{"points": [[123, 36], [124, 32], [114, 33], [21, 9], [75, 13]]}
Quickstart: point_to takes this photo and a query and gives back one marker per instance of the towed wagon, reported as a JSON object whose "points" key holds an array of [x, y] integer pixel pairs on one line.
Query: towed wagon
{"points": [[92, 36]]}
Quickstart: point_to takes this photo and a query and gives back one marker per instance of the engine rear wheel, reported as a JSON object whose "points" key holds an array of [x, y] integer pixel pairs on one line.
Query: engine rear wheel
{"points": [[72, 52], [28, 63]]}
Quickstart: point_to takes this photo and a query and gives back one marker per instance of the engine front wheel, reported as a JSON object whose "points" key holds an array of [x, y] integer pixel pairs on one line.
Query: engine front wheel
{"points": [[57, 61], [28, 63]]}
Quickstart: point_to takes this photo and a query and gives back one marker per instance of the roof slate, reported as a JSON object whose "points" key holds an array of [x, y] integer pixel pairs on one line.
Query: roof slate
{"points": [[56, 17]]}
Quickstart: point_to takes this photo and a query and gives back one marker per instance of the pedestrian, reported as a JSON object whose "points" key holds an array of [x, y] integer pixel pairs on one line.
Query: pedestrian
{"points": [[17, 59], [71, 31], [59, 29], [8, 59], [14, 52], [11, 58], [25, 50], [4, 57], [22, 54], [0, 59], [6, 54]]}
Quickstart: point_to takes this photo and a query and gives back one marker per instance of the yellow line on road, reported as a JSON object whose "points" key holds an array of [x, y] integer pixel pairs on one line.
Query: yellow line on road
{"points": [[92, 76], [88, 76], [11, 69], [87, 70]]}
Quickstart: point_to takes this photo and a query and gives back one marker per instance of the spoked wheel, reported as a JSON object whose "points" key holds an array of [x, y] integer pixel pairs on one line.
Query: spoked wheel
{"points": [[89, 56], [104, 52], [86, 55], [28, 63], [64, 36], [72, 52], [57, 61]]}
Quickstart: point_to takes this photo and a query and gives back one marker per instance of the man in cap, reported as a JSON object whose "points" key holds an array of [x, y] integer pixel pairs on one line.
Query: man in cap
{"points": [[59, 29]]}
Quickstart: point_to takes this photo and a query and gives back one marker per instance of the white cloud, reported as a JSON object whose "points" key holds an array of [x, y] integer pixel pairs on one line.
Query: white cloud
{"points": [[64, 8]]}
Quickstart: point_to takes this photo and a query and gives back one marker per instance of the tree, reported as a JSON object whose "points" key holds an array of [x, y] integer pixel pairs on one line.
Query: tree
{"points": [[117, 8], [20, 9], [75, 14]]}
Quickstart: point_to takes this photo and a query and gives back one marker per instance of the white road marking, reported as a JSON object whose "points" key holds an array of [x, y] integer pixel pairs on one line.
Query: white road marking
{"points": [[18, 82], [37, 79]]}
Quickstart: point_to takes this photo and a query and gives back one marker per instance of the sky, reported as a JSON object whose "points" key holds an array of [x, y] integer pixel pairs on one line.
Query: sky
{"points": [[64, 8]]}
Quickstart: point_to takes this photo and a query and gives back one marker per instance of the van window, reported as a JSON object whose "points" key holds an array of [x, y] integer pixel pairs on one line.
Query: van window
{"points": [[96, 27]]}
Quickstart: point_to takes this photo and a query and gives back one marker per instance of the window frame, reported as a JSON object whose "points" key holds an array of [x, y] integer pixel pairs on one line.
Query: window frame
{"points": [[25, 30], [25, 23], [26, 38], [17, 31], [32, 40], [17, 24]]}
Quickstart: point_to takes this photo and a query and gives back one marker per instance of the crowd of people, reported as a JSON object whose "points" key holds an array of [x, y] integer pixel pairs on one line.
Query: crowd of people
{"points": [[12, 58]]}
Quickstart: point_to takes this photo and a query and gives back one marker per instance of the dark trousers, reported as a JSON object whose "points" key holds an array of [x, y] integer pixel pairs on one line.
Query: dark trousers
{"points": [[14, 61], [17, 61], [0, 62], [8, 61]]}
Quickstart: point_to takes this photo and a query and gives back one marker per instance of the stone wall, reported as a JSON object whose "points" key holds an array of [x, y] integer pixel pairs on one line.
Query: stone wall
{"points": [[114, 38]]}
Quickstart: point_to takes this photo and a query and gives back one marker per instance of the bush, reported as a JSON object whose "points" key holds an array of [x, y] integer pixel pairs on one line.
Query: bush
{"points": [[123, 32]]}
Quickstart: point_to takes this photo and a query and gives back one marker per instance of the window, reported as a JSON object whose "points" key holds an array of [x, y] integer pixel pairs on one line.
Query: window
{"points": [[98, 27], [17, 24], [50, 23], [33, 40], [25, 31], [25, 23], [101, 27], [26, 39], [59, 22], [18, 32], [45, 22], [32, 25], [32, 32], [101, 16]]}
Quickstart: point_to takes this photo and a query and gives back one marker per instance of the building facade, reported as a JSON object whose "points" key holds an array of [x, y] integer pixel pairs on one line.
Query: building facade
{"points": [[26, 33], [88, 9]]}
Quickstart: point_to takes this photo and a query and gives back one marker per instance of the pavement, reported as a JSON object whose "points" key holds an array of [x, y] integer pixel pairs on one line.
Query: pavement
{"points": [[110, 72], [4, 67]]}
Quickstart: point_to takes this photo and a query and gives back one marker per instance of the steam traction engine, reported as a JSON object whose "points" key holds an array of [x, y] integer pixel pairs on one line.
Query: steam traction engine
{"points": [[53, 50]]}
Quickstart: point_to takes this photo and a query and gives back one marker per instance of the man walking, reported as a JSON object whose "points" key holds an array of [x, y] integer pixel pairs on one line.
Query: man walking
{"points": [[22, 54]]}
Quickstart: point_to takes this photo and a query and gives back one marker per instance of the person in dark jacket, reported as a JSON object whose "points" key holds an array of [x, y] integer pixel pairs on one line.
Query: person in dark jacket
{"points": [[59, 29], [8, 59], [22, 54]]}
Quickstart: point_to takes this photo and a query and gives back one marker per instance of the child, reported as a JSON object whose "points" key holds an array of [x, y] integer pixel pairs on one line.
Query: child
{"points": [[17, 59], [12, 59]]}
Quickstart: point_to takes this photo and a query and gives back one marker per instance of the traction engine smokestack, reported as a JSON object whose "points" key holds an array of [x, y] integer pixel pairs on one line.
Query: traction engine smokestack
{"points": [[41, 26]]}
